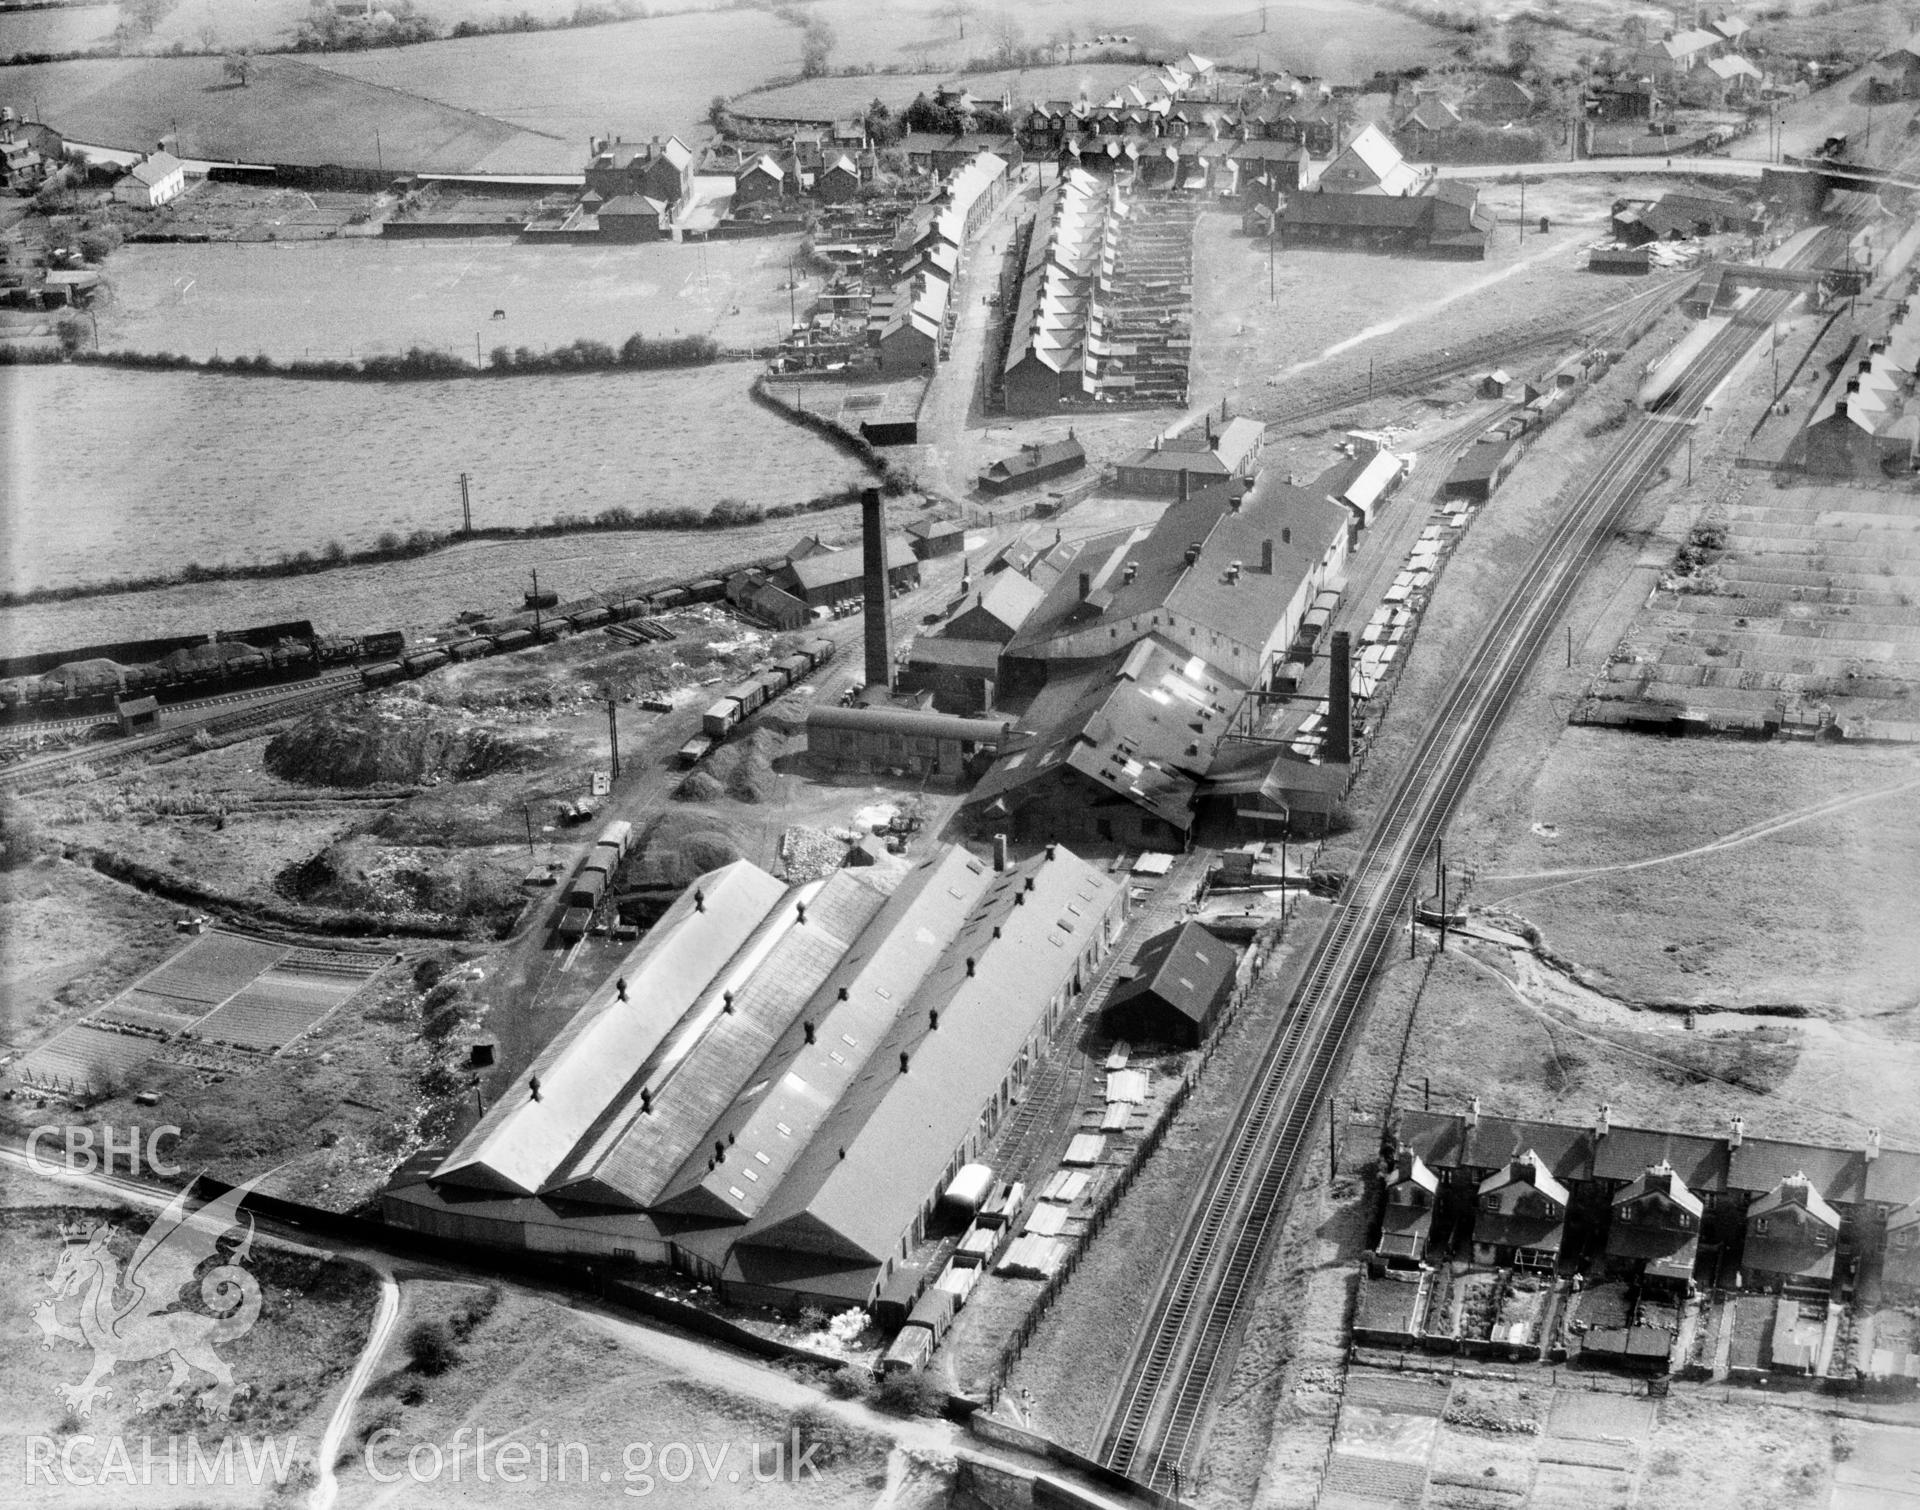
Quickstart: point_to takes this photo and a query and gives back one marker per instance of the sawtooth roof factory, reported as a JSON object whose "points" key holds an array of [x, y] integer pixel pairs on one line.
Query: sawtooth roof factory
{"points": [[781, 1082]]}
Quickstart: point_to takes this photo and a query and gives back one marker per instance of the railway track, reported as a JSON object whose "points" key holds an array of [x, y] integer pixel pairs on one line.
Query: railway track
{"points": [[1598, 329], [1157, 1418], [245, 710], [188, 708]]}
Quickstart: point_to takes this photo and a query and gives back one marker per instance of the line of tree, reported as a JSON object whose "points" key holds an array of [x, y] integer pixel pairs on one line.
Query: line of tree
{"points": [[726, 513], [416, 364]]}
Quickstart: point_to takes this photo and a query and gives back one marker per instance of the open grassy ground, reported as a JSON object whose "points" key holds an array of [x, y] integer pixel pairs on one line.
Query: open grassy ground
{"points": [[313, 1321], [366, 295], [1308, 36], [637, 78], [487, 576], [210, 25], [196, 467], [292, 111], [538, 1374]]}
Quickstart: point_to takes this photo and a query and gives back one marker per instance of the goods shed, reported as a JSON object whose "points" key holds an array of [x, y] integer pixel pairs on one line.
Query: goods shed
{"points": [[867, 741], [1182, 977]]}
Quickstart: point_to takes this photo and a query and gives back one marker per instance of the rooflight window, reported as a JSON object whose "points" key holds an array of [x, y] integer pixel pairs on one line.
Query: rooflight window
{"points": [[784, 1130], [882, 991], [752, 1174], [736, 1192], [847, 1039], [836, 1056], [762, 1158]]}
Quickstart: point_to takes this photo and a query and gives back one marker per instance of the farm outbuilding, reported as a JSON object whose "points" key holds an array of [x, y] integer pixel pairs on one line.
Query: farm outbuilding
{"points": [[157, 179], [937, 537], [633, 217], [1181, 979]]}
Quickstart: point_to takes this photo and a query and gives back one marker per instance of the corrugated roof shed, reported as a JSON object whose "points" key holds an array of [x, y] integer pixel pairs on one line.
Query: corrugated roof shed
{"points": [[520, 1142], [1185, 970], [871, 1167], [693, 1077], [804, 1075]]}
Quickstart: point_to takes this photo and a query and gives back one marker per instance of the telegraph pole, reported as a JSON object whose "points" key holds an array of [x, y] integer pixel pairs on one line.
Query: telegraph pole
{"points": [[526, 809], [1523, 207], [613, 734], [536, 602], [466, 504]]}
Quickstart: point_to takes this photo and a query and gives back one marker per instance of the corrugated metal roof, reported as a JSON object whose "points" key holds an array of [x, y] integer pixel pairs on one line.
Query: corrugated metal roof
{"points": [[909, 724], [889, 1141], [1185, 967], [800, 1080], [693, 1078], [521, 1141]]}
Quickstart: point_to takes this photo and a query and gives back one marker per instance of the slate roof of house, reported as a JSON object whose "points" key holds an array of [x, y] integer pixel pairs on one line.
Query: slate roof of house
{"points": [[826, 568], [1370, 164], [1686, 43], [156, 168], [1033, 458], [1007, 598], [632, 204], [1662, 1181], [1186, 967], [1432, 115]]}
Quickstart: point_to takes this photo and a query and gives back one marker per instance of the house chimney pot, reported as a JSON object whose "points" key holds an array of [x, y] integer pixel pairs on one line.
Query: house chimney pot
{"points": [[1873, 1144], [969, 966], [903, 1061], [1132, 570], [1738, 1133], [699, 900], [933, 1020], [1052, 851], [809, 1031], [726, 1002], [1473, 1112], [843, 993], [533, 1086], [1193, 551], [999, 853], [1605, 1122], [799, 912], [646, 1101]]}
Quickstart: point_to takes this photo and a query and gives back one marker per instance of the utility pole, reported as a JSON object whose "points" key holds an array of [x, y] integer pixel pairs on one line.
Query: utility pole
{"points": [[1333, 1143], [613, 734], [1273, 228], [466, 507], [1689, 458], [379, 157], [1369, 380], [793, 307], [477, 362], [1523, 207], [536, 602], [1569, 647], [526, 809]]}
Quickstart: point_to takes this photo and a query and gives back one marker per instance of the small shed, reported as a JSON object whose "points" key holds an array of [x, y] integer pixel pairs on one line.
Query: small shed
{"points": [[137, 713], [1181, 979]]}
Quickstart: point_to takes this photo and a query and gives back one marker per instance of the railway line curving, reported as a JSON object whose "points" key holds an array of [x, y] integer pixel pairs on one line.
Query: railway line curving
{"points": [[1158, 1415]]}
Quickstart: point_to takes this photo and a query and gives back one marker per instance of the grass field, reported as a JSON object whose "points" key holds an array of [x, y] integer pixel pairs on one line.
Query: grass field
{"points": [[636, 78], [182, 467], [291, 112], [211, 25], [363, 295], [841, 95]]}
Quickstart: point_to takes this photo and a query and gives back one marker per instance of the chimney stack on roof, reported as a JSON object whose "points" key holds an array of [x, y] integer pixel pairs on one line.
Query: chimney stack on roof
{"points": [[1193, 550], [1873, 1144], [1738, 1132], [1472, 1118], [699, 900], [1604, 1124], [1266, 558], [1086, 585], [999, 854]]}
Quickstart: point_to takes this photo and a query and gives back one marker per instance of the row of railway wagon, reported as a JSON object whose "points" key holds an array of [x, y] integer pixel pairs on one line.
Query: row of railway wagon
{"points": [[74, 683], [590, 881], [745, 697]]}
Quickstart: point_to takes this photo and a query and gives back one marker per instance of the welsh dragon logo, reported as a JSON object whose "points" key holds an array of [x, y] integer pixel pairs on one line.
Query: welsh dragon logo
{"points": [[130, 1315]]}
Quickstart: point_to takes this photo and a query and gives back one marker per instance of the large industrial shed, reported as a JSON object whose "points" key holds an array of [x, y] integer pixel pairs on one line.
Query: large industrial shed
{"points": [[866, 741], [790, 1079], [1181, 979]]}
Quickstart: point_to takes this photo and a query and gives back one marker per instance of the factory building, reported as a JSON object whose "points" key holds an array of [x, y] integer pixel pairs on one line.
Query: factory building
{"points": [[777, 1083]]}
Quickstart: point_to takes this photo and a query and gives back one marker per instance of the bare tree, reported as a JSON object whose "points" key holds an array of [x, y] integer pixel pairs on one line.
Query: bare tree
{"points": [[956, 11], [238, 67], [1008, 39]]}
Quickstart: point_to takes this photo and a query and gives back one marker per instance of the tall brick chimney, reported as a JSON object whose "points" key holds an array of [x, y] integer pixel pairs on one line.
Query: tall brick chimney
{"points": [[1340, 700], [879, 613]]}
